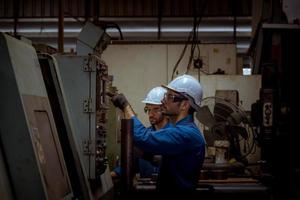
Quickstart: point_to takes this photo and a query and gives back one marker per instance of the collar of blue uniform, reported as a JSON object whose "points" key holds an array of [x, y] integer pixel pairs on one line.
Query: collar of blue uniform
{"points": [[187, 119]]}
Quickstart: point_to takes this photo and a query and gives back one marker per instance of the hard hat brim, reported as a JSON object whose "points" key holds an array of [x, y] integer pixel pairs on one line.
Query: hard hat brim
{"points": [[150, 102], [167, 87]]}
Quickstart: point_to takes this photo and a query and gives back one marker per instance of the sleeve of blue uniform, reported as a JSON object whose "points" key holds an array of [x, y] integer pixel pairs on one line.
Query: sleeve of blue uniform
{"points": [[165, 141]]}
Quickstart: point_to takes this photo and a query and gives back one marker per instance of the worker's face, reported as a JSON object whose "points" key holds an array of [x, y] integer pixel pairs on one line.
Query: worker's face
{"points": [[154, 113], [171, 103]]}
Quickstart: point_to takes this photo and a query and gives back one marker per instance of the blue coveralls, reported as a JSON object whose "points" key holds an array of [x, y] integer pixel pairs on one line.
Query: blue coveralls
{"points": [[183, 149]]}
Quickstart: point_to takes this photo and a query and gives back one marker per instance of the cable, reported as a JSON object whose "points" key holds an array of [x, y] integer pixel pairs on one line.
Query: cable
{"points": [[114, 25], [194, 40]]}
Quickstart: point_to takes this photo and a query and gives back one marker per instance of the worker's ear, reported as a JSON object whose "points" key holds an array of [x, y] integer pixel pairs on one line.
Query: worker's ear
{"points": [[185, 105]]}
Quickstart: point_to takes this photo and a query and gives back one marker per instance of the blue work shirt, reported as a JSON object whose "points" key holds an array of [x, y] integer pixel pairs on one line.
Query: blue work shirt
{"points": [[146, 166], [183, 149]]}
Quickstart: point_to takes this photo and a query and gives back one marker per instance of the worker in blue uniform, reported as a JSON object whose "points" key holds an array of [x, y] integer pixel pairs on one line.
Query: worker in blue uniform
{"points": [[148, 163], [181, 145]]}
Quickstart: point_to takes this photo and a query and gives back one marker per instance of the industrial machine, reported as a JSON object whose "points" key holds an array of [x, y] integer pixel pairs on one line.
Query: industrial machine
{"points": [[31, 151], [54, 120], [78, 87]]}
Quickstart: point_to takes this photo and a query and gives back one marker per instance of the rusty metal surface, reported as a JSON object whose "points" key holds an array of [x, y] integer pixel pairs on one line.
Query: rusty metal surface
{"points": [[103, 81]]}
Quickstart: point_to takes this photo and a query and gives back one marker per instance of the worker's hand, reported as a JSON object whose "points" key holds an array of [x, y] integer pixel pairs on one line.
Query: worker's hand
{"points": [[120, 101]]}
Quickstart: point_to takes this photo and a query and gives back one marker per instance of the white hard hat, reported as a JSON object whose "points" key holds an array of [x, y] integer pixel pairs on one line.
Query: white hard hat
{"points": [[155, 96], [189, 87]]}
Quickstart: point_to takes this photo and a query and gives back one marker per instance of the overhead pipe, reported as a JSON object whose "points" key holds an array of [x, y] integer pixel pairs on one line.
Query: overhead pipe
{"points": [[172, 29]]}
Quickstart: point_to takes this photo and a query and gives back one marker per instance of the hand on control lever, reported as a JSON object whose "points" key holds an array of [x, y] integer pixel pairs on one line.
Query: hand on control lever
{"points": [[119, 100]]}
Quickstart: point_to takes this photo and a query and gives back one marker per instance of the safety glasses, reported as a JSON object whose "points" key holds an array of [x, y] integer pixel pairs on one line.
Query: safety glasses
{"points": [[153, 110], [174, 98]]}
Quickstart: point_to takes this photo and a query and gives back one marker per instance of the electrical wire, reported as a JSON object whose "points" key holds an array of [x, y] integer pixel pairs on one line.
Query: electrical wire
{"points": [[193, 33], [114, 25]]}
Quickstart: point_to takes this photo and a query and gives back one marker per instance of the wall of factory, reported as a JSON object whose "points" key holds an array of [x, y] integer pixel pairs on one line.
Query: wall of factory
{"points": [[214, 57], [136, 69]]}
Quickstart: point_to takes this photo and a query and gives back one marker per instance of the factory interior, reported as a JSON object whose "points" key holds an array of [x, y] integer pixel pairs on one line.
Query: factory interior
{"points": [[61, 62]]}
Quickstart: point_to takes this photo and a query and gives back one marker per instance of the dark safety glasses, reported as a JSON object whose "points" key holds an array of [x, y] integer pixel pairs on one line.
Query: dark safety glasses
{"points": [[174, 98]]}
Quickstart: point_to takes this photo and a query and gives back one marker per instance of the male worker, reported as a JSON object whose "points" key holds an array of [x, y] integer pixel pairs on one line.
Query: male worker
{"points": [[181, 145], [148, 164]]}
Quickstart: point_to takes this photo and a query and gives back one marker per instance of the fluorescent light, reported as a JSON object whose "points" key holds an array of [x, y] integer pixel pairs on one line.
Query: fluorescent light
{"points": [[132, 29], [181, 29], [243, 45], [206, 29], [247, 71]]}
